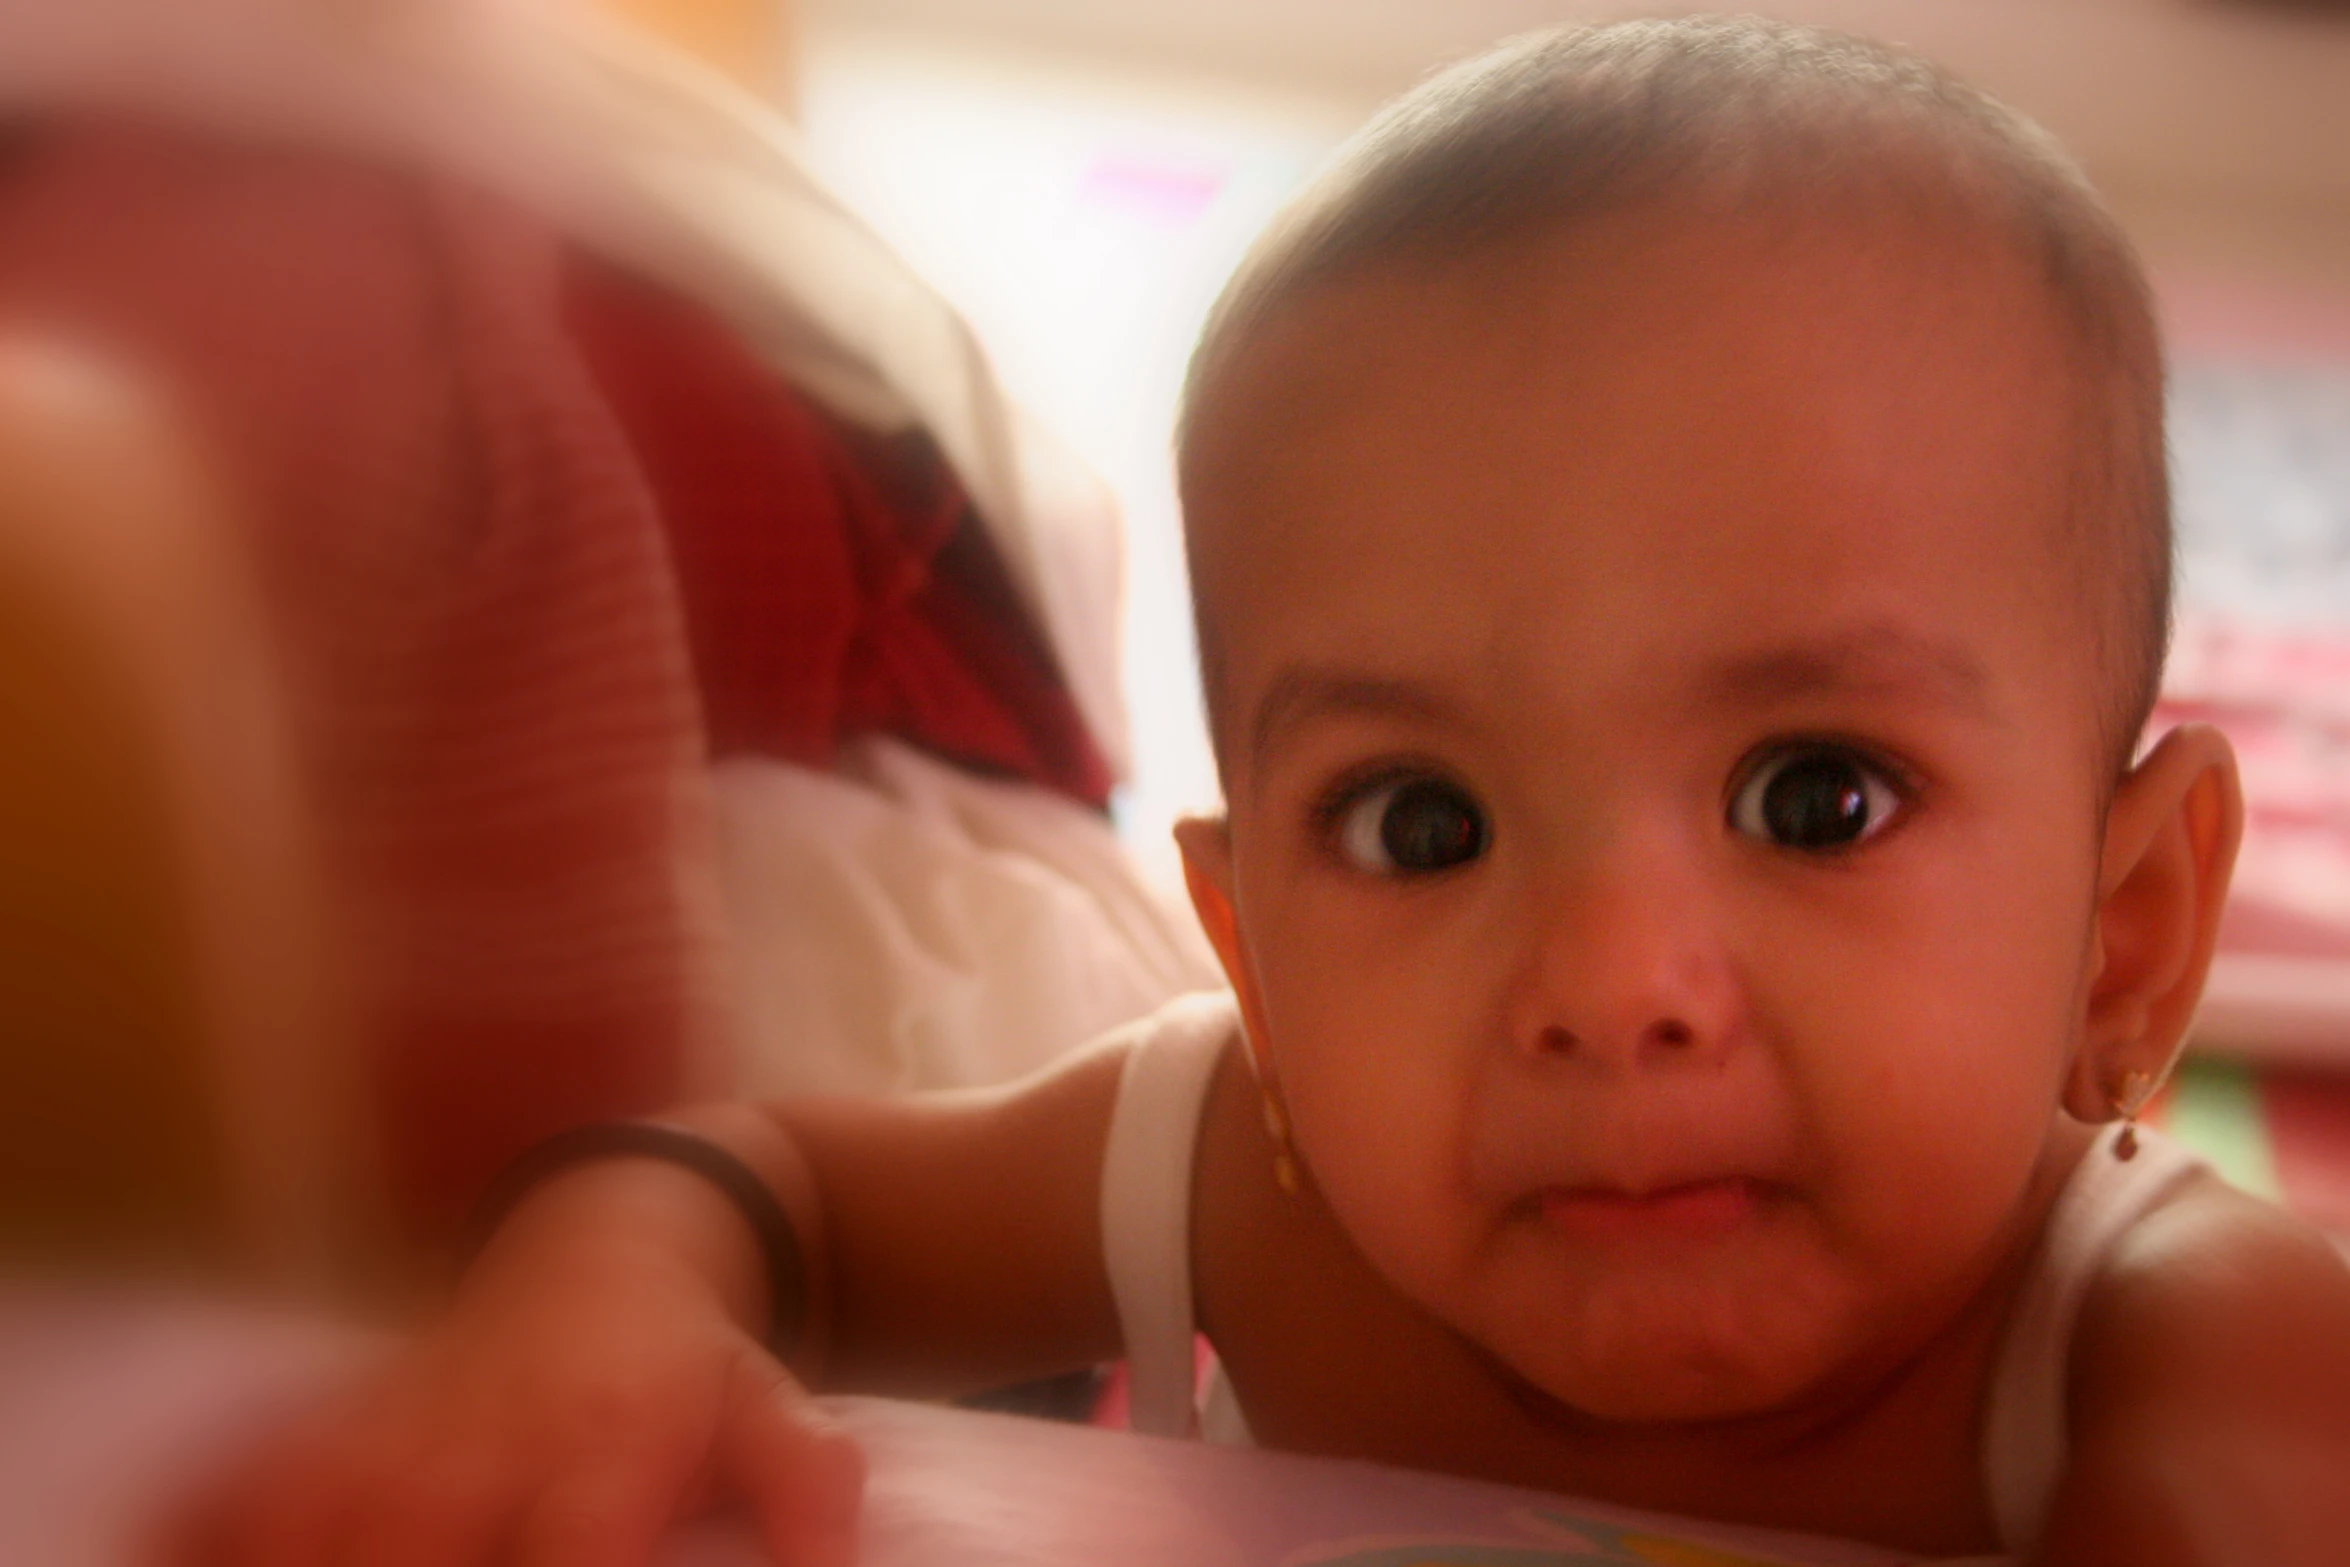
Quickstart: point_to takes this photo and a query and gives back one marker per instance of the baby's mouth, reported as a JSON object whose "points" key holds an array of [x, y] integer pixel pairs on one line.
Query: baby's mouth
{"points": [[1687, 1210]]}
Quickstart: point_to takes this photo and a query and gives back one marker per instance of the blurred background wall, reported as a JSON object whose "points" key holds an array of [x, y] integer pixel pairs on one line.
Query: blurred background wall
{"points": [[1080, 175], [2221, 127]]}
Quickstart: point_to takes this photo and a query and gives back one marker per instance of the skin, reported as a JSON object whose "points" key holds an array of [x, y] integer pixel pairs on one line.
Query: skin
{"points": [[1642, 1157]]}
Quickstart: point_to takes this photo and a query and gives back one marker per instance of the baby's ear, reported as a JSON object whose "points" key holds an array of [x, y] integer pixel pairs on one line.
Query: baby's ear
{"points": [[2170, 842], [1206, 842]]}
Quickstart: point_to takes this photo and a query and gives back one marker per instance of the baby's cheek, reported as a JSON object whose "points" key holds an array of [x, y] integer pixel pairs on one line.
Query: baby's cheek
{"points": [[1925, 1117], [1930, 1161], [1370, 1056], [1949, 1033], [1378, 1131]]}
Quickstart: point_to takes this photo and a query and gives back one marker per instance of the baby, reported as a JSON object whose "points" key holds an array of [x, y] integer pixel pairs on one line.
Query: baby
{"points": [[1679, 529]]}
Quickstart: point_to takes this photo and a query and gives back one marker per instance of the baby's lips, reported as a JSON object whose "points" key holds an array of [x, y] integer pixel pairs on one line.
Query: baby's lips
{"points": [[1523, 1175], [1687, 1210], [1635, 1136]]}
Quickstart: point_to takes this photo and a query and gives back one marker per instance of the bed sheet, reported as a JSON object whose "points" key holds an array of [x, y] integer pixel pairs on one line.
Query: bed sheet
{"points": [[898, 923]]}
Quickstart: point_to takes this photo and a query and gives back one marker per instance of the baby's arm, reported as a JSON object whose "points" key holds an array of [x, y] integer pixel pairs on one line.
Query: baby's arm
{"points": [[2211, 1397], [600, 1370], [962, 1233]]}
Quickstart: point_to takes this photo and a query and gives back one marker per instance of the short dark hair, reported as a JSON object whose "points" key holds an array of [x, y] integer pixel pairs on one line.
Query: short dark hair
{"points": [[1559, 128]]}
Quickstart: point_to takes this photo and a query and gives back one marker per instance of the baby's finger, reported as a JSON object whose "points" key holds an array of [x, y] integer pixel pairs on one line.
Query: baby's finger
{"points": [[606, 1508], [453, 1506], [297, 1506], [196, 1530], [803, 1476], [625, 1453]]}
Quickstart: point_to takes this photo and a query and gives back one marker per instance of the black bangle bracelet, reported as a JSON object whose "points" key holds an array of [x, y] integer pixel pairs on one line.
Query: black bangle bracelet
{"points": [[779, 1243]]}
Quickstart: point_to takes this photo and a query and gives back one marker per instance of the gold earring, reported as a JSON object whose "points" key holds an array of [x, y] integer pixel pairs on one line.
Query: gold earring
{"points": [[1284, 1151], [2136, 1088]]}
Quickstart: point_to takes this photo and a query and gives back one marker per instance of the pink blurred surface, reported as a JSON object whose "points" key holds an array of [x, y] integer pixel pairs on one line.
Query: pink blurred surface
{"points": [[109, 1407]]}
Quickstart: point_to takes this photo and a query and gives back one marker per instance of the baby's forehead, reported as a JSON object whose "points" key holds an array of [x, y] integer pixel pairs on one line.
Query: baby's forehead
{"points": [[1674, 334], [1687, 421]]}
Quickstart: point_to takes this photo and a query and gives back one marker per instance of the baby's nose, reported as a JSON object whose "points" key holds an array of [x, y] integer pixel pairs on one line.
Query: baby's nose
{"points": [[1661, 1037], [1626, 970]]}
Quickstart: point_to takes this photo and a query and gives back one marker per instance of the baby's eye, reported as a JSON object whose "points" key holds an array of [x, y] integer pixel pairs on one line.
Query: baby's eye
{"points": [[1815, 797], [1411, 826]]}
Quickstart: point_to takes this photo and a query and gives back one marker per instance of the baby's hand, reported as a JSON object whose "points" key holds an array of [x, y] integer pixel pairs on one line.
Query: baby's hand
{"points": [[566, 1414]]}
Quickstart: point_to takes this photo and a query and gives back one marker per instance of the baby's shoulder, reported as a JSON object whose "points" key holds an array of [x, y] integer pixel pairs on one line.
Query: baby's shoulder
{"points": [[2209, 1392], [2220, 1249], [2215, 1300]]}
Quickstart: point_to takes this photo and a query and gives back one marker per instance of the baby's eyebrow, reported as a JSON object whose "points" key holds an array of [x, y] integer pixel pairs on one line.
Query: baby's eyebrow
{"points": [[1302, 692], [1874, 661], [1871, 661]]}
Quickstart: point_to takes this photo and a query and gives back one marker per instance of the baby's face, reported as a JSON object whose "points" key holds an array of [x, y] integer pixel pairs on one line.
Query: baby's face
{"points": [[1658, 730]]}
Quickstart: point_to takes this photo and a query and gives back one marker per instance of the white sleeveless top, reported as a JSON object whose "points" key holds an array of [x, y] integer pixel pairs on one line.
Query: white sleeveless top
{"points": [[1146, 1238]]}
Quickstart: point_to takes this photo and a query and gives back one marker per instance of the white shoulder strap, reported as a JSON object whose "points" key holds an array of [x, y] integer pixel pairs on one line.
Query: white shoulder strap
{"points": [[1146, 1203], [2025, 1421]]}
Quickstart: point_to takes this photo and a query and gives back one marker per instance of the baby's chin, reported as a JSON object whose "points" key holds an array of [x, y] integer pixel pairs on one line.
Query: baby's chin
{"points": [[1674, 1350]]}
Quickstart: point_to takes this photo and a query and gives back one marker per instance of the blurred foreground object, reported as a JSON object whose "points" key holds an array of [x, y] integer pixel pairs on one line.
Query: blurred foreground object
{"points": [[170, 1050], [749, 40], [530, 552], [125, 1400]]}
